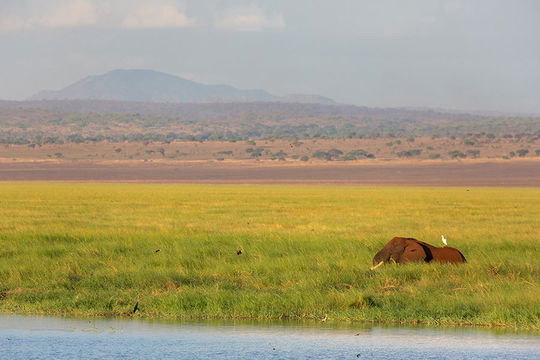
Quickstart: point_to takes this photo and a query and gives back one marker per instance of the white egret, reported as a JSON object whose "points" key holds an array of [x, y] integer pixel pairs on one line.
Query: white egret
{"points": [[444, 240]]}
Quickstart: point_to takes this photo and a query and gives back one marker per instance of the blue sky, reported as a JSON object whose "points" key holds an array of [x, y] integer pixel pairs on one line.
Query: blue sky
{"points": [[470, 54]]}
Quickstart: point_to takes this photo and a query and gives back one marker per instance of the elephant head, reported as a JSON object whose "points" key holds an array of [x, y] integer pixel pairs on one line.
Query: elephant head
{"points": [[403, 250]]}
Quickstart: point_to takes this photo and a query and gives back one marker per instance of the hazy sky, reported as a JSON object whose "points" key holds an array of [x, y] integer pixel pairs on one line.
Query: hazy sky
{"points": [[458, 54]]}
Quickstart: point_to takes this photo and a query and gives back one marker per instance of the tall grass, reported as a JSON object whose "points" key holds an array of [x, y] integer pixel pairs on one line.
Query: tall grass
{"points": [[92, 250]]}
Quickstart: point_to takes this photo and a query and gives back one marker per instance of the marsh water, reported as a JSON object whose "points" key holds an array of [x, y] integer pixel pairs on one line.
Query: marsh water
{"points": [[24, 337]]}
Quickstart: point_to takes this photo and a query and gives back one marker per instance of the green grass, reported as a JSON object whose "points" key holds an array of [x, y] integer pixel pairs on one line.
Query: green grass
{"points": [[89, 250]]}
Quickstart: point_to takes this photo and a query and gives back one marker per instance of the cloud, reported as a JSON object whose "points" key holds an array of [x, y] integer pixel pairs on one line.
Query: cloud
{"points": [[250, 19], [58, 15], [156, 16], [131, 14]]}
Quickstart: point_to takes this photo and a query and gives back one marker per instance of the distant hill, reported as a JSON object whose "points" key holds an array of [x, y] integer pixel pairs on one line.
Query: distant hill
{"points": [[154, 86], [150, 86], [306, 99]]}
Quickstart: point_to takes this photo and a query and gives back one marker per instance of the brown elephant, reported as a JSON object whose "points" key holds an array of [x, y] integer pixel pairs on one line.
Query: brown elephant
{"points": [[404, 250]]}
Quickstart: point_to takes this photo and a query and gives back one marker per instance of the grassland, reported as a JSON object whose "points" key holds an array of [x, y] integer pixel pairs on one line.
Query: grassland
{"points": [[92, 250]]}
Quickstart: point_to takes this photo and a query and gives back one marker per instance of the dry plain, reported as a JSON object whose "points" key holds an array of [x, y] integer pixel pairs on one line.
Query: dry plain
{"points": [[501, 173]]}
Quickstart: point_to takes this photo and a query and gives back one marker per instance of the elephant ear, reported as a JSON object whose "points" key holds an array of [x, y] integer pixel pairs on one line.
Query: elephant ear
{"points": [[427, 250], [412, 252]]}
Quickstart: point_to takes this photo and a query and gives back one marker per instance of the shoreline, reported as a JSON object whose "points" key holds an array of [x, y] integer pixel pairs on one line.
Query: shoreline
{"points": [[534, 330]]}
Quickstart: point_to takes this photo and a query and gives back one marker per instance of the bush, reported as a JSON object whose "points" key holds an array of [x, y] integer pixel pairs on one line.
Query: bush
{"points": [[255, 152], [319, 154], [304, 158], [358, 154], [522, 152], [329, 155], [281, 155], [434, 156], [456, 154], [409, 153], [473, 153], [335, 153]]}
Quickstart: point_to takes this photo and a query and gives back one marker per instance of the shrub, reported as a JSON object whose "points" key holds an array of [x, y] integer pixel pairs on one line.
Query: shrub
{"points": [[456, 154], [358, 154], [434, 156], [319, 154], [473, 153], [409, 153], [334, 153], [522, 152], [328, 155], [281, 155], [304, 158], [255, 152]]}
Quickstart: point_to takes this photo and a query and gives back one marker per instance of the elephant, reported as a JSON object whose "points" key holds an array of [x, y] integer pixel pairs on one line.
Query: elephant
{"points": [[404, 250]]}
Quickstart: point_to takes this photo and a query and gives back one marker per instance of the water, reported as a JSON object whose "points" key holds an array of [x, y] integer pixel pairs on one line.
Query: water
{"points": [[58, 338]]}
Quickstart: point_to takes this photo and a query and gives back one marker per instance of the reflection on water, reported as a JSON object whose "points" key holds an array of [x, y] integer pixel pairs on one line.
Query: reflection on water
{"points": [[58, 338]]}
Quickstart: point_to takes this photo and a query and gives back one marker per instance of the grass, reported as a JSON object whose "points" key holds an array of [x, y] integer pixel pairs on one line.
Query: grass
{"points": [[90, 250]]}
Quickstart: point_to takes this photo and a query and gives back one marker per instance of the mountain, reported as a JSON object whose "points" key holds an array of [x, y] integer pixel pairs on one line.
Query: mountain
{"points": [[306, 99], [150, 86]]}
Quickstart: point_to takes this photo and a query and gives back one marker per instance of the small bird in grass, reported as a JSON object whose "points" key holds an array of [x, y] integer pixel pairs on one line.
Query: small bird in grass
{"points": [[157, 250], [136, 307], [324, 318], [444, 240], [239, 252]]}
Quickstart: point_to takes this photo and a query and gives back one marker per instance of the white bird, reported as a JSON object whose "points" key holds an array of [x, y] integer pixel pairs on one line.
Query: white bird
{"points": [[444, 240]]}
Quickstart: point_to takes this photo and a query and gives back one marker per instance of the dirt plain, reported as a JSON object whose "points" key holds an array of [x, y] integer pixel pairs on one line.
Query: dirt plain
{"points": [[383, 149], [503, 173]]}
